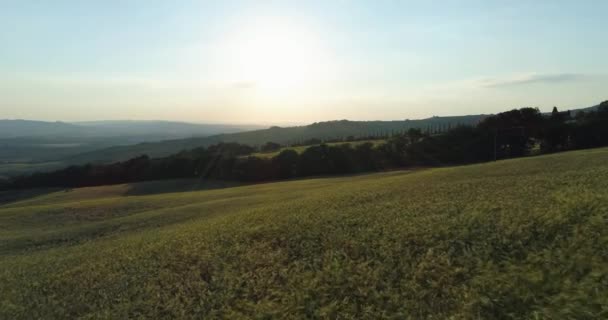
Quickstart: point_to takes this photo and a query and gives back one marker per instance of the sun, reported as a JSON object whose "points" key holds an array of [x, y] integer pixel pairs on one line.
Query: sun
{"points": [[275, 55]]}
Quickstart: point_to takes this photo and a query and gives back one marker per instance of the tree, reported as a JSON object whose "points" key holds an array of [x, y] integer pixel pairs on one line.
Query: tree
{"points": [[314, 161], [270, 147], [366, 157], [591, 128], [555, 132], [415, 134], [340, 159], [394, 149], [286, 163], [253, 169], [513, 131]]}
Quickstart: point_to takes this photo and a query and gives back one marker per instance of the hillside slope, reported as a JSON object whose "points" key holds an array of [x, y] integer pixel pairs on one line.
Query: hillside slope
{"points": [[522, 239]]}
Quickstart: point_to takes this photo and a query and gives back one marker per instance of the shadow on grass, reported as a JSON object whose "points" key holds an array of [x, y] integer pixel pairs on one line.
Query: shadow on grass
{"points": [[10, 196], [162, 186], [185, 185], [178, 185]]}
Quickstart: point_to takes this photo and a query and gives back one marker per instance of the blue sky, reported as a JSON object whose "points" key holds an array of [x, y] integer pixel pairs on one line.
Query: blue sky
{"points": [[297, 61]]}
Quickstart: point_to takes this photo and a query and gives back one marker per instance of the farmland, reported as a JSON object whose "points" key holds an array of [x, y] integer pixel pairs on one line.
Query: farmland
{"points": [[522, 238], [300, 149]]}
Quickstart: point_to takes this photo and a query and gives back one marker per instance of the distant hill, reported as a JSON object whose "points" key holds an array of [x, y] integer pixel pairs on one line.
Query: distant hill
{"points": [[27, 141], [289, 135], [170, 129], [574, 111], [30, 128], [151, 130]]}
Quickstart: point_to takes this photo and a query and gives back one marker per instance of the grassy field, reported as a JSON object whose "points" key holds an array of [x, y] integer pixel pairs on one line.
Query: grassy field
{"points": [[516, 239], [300, 149]]}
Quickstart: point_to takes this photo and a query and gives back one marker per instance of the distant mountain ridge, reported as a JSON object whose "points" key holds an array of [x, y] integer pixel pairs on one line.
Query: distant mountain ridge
{"points": [[154, 129], [31, 128], [26, 144]]}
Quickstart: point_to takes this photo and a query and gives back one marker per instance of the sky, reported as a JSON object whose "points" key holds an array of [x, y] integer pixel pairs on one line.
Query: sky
{"points": [[297, 61]]}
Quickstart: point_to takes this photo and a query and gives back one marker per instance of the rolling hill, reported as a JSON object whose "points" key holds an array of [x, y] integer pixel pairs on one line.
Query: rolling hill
{"points": [[288, 135], [300, 149], [160, 129], [27, 146], [515, 239], [148, 130], [29, 128], [124, 140]]}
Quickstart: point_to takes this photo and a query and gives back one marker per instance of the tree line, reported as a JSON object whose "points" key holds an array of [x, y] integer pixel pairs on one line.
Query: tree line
{"points": [[515, 133]]}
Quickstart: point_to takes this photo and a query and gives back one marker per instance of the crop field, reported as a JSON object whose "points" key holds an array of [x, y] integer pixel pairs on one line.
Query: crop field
{"points": [[300, 149], [516, 239]]}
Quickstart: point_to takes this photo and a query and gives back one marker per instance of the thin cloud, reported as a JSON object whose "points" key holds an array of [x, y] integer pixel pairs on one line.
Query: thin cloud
{"points": [[533, 78]]}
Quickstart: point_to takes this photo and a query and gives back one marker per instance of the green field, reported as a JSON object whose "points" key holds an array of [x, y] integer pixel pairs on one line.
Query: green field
{"points": [[516, 239], [300, 149]]}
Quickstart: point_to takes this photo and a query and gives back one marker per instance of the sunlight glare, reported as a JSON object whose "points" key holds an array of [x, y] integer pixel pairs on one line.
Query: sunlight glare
{"points": [[275, 55]]}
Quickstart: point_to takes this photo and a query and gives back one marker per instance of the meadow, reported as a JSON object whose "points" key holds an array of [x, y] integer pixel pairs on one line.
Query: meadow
{"points": [[300, 149], [516, 239]]}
